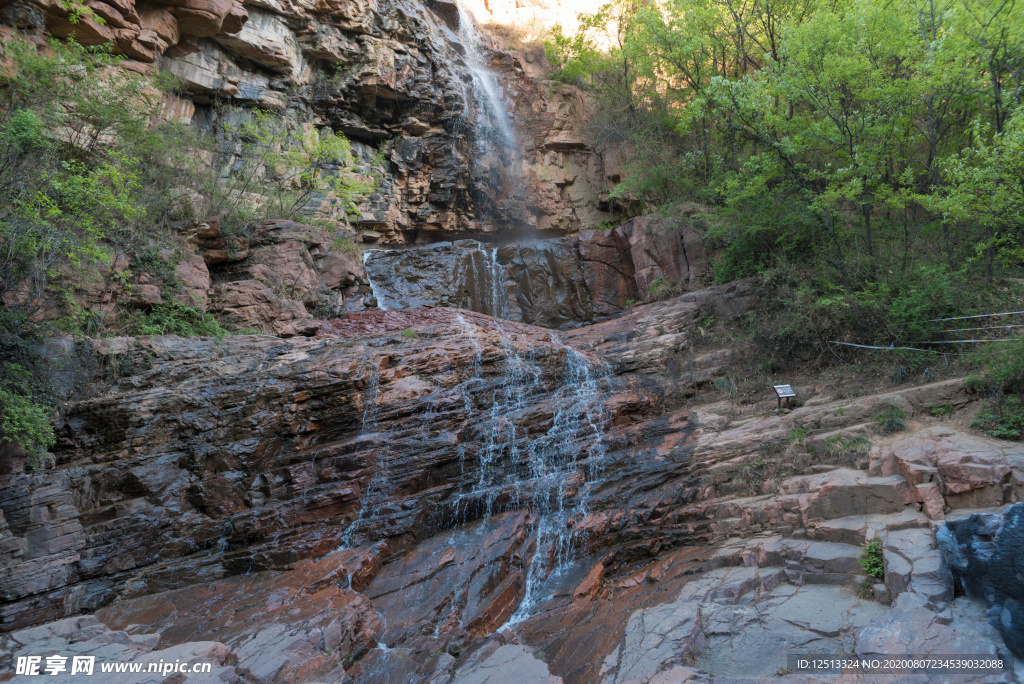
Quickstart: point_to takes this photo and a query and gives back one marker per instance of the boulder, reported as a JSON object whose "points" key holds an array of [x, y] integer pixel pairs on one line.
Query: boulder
{"points": [[986, 555]]}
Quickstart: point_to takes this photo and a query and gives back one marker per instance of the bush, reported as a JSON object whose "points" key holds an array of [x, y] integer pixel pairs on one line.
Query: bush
{"points": [[1003, 418], [344, 245], [924, 293], [174, 318], [757, 237], [872, 559], [65, 191], [891, 419], [27, 395], [87, 170], [288, 165], [661, 289]]}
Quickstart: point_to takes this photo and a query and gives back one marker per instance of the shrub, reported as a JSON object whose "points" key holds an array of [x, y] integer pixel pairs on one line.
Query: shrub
{"points": [[87, 170], [974, 383], [872, 559], [289, 165], [174, 318], [798, 435], [344, 245], [27, 395], [1003, 418], [837, 445], [660, 289], [65, 190], [891, 419]]}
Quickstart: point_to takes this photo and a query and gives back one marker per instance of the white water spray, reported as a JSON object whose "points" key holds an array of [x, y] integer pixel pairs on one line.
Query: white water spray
{"points": [[367, 256], [485, 85]]}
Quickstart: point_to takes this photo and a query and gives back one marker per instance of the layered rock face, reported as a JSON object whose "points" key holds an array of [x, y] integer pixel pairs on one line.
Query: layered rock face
{"points": [[391, 76], [390, 436], [275, 279], [552, 283], [439, 495]]}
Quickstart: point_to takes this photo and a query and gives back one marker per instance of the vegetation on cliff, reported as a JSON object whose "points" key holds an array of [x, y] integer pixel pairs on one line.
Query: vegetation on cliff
{"points": [[867, 155], [860, 134], [93, 181]]}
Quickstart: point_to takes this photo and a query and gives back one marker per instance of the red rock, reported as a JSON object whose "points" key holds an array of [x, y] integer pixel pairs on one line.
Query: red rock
{"points": [[284, 627], [591, 584]]}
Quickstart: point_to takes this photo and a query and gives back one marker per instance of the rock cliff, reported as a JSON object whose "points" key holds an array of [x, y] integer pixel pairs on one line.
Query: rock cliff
{"points": [[439, 495], [472, 460], [392, 76]]}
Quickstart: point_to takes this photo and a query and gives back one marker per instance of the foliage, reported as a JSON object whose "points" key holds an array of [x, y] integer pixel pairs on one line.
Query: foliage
{"points": [[1003, 418], [837, 445], [90, 172], [798, 435], [891, 419], [290, 167], [27, 396], [344, 245], [660, 289], [174, 318], [871, 151], [872, 559], [64, 188]]}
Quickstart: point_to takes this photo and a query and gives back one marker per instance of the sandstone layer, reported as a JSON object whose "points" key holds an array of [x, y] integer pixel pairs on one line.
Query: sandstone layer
{"points": [[438, 495]]}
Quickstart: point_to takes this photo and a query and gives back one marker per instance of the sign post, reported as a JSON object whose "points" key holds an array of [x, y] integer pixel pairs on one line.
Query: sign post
{"points": [[783, 392]]}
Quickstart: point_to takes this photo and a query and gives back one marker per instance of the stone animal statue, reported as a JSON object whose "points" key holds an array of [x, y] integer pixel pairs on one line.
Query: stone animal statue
{"points": [[986, 554]]}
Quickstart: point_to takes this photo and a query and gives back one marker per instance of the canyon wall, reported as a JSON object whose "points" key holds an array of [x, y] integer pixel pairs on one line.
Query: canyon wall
{"points": [[392, 76]]}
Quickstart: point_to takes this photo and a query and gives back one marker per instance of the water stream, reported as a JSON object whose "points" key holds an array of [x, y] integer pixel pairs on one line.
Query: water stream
{"points": [[551, 473], [492, 120], [500, 187], [506, 463]]}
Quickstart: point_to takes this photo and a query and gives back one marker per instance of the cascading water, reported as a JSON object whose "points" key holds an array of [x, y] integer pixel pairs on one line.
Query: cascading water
{"points": [[577, 429], [463, 275], [499, 179], [378, 296], [550, 474], [376, 488], [494, 121], [502, 466], [499, 300]]}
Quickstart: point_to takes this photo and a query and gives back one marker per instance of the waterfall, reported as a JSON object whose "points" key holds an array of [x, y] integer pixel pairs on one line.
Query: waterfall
{"points": [[497, 126], [366, 257], [551, 473], [463, 275], [578, 427], [377, 486], [499, 181], [499, 299]]}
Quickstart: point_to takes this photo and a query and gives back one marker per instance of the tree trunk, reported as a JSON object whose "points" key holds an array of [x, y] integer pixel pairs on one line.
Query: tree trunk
{"points": [[990, 253], [866, 208]]}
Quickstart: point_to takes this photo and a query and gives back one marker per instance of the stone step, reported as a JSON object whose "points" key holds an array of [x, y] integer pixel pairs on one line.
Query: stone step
{"points": [[857, 529], [846, 492], [802, 561]]}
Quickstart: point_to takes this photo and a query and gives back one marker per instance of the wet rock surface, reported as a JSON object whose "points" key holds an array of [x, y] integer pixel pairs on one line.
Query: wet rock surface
{"points": [[551, 283], [299, 624], [441, 496], [984, 553]]}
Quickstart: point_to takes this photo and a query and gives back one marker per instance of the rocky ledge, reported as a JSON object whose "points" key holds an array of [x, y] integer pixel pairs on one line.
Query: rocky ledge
{"points": [[440, 496]]}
